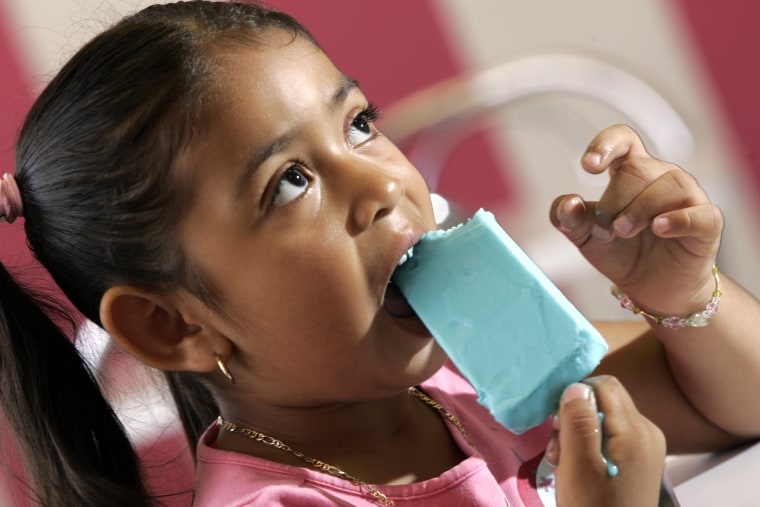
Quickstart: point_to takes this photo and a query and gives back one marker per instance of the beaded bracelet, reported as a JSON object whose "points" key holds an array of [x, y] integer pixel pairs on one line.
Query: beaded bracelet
{"points": [[698, 319]]}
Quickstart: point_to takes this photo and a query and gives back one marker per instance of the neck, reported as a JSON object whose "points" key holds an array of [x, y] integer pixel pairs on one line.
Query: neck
{"points": [[397, 439], [328, 427]]}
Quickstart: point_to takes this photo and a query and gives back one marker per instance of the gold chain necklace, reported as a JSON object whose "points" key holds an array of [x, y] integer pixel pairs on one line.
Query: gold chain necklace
{"points": [[332, 469]]}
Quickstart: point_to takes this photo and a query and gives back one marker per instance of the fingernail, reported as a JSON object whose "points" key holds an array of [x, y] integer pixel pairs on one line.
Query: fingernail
{"points": [[575, 391], [567, 215], [622, 225], [661, 225], [570, 204], [600, 234], [593, 158], [555, 422]]}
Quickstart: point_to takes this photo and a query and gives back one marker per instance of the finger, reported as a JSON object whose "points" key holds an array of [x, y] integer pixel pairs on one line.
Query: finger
{"points": [[630, 180], [631, 441], [703, 222], [574, 217], [579, 434], [551, 455], [673, 190], [622, 422], [612, 399], [611, 147]]}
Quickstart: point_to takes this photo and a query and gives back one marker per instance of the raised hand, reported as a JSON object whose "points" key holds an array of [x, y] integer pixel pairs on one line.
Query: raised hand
{"points": [[653, 232]]}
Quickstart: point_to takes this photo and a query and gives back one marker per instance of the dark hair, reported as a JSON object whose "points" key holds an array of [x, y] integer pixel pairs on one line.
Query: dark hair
{"points": [[95, 162]]}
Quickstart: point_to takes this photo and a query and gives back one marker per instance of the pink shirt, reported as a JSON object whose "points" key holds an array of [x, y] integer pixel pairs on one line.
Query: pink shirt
{"points": [[504, 470]]}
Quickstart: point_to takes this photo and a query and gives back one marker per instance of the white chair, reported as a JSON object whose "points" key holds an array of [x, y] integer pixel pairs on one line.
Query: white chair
{"points": [[545, 108]]}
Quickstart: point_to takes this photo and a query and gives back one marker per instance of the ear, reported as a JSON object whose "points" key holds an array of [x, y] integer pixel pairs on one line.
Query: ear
{"points": [[153, 327]]}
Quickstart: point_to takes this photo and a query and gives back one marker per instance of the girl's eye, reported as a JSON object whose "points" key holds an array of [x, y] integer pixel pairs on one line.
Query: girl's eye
{"points": [[360, 131], [292, 184]]}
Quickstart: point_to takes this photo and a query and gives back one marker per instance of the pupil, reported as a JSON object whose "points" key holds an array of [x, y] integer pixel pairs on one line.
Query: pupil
{"points": [[361, 124], [295, 177]]}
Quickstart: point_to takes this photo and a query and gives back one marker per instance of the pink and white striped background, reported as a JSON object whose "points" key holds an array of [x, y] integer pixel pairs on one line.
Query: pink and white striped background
{"points": [[699, 57]]}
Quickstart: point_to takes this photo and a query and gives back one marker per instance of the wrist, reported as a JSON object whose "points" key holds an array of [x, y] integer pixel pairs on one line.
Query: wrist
{"points": [[699, 318]]}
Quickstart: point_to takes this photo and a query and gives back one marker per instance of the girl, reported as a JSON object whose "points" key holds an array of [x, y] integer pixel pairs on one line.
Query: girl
{"points": [[201, 181]]}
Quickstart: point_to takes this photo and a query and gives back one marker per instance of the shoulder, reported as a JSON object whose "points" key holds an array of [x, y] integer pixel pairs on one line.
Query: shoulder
{"points": [[237, 483], [229, 479], [269, 495]]}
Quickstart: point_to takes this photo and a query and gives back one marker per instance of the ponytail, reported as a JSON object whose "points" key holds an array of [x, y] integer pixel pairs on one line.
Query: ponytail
{"points": [[75, 447], [103, 189]]}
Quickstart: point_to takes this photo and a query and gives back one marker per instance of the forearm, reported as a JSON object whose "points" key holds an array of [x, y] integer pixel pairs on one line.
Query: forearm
{"points": [[718, 366], [637, 358]]}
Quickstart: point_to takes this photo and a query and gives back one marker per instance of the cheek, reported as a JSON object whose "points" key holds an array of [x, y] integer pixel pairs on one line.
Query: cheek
{"points": [[328, 294], [305, 292]]}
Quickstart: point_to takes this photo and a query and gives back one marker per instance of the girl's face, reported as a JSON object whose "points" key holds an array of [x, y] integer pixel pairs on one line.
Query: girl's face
{"points": [[302, 212]]}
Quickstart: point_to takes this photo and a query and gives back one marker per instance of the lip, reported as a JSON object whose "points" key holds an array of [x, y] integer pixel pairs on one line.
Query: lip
{"points": [[403, 243]]}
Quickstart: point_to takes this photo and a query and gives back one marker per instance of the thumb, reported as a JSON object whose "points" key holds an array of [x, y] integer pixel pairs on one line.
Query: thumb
{"points": [[574, 217], [580, 434]]}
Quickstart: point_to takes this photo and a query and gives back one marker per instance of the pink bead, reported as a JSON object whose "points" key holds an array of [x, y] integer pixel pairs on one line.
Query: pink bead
{"points": [[697, 319]]}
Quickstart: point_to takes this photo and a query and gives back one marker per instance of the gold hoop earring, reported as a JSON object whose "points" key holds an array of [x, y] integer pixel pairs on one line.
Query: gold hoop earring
{"points": [[223, 368]]}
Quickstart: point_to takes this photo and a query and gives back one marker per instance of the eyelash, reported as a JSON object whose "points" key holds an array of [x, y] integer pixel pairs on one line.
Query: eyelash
{"points": [[371, 113]]}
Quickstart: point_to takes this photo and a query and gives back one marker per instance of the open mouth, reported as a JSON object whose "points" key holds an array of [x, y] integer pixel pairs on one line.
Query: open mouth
{"points": [[394, 303]]}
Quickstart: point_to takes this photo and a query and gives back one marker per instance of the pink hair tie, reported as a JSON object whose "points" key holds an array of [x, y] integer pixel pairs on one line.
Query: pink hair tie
{"points": [[11, 206]]}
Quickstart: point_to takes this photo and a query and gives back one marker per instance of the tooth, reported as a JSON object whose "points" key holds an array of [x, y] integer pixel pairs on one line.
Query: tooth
{"points": [[407, 255]]}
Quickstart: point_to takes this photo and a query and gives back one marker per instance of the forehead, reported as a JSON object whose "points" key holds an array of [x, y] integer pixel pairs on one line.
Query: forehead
{"points": [[279, 71], [258, 93]]}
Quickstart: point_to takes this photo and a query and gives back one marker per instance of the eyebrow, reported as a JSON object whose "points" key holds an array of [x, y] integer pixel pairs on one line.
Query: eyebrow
{"points": [[347, 84]]}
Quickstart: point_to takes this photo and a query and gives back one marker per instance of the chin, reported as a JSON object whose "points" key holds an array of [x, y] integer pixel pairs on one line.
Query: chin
{"points": [[425, 363]]}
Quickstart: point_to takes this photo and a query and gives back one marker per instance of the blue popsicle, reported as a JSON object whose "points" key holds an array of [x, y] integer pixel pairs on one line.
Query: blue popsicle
{"points": [[510, 331]]}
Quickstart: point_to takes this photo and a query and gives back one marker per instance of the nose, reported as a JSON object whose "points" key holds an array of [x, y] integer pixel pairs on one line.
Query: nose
{"points": [[373, 192]]}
